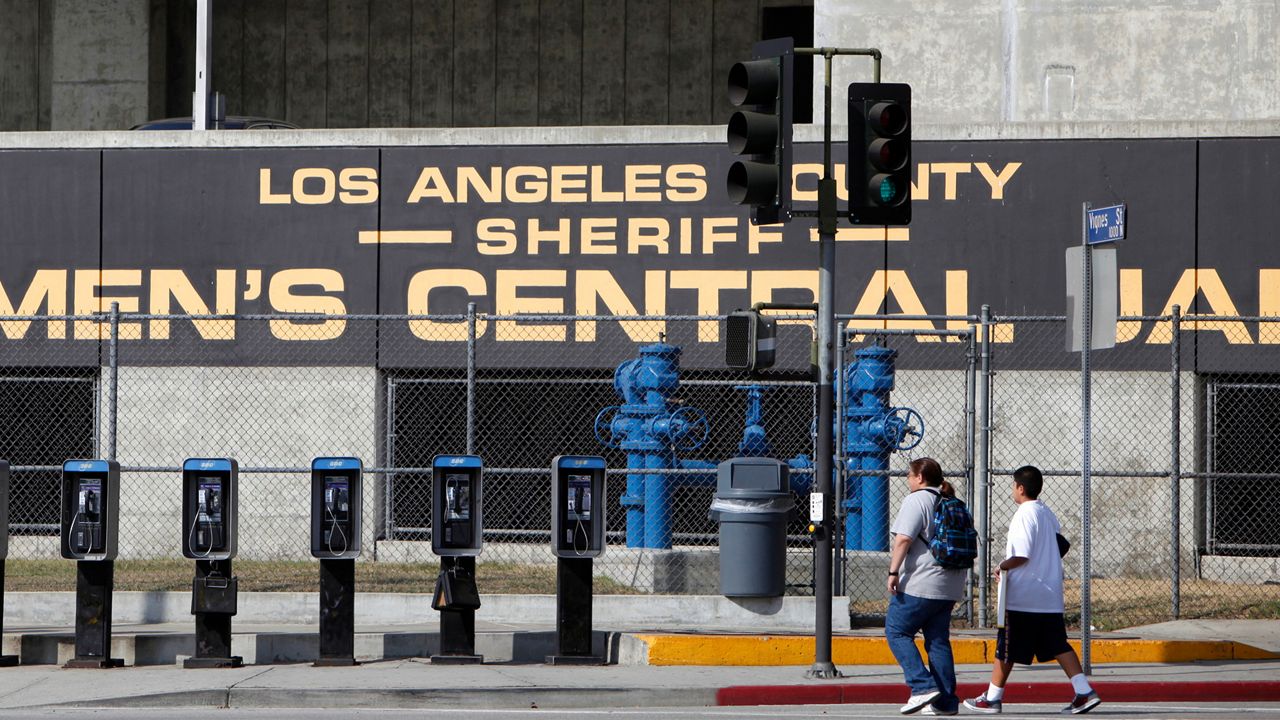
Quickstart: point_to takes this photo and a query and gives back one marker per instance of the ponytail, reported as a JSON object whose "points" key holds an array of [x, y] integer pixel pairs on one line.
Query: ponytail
{"points": [[931, 472]]}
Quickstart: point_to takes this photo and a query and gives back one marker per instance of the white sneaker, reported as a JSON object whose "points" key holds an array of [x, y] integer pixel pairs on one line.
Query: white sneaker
{"points": [[934, 710], [915, 702]]}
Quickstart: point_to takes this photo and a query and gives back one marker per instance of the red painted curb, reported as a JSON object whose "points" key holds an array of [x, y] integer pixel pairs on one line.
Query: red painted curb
{"points": [[884, 693]]}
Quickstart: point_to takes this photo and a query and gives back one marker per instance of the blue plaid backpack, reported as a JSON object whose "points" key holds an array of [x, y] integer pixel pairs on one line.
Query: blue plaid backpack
{"points": [[954, 543]]}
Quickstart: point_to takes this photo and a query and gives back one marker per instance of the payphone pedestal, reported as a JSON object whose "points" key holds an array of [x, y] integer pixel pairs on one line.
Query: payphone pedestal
{"points": [[94, 579], [457, 598], [573, 614], [213, 602], [5, 660], [337, 613]]}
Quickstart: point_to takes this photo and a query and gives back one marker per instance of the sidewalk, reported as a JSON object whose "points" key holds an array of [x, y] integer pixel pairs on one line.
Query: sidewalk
{"points": [[417, 683], [671, 657]]}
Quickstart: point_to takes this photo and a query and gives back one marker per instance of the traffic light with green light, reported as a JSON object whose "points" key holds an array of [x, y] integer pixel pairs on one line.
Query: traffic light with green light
{"points": [[879, 165]]}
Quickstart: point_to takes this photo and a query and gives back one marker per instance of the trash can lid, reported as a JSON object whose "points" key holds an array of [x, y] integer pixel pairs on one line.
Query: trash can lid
{"points": [[752, 476]]}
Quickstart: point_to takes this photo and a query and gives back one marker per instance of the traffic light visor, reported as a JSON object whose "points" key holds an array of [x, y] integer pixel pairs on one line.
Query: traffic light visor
{"points": [[754, 82]]}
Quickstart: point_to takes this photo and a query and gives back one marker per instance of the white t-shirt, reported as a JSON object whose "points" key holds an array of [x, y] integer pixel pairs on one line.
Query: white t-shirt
{"points": [[1037, 585]]}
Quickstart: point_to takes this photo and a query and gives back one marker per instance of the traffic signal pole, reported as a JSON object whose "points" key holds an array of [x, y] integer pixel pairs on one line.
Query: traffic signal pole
{"points": [[760, 132], [823, 587]]}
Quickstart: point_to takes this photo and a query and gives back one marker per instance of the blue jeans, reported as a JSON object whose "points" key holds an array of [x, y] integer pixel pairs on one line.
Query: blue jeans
{"points": [[908, 615]]}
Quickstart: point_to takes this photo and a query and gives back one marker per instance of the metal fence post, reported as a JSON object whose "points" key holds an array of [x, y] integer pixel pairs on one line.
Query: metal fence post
{"points": [[113, 368], [981, 463], [389, 477], [838, 530], [471, 378], [970, 438], [1175, 461]]}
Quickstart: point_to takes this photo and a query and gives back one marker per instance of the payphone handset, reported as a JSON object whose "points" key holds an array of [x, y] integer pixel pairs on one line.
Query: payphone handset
{"points": [[457, 487], [86, 525], [209, 508], [90, 497], [335, 507], [577, 508], [337, 513]]}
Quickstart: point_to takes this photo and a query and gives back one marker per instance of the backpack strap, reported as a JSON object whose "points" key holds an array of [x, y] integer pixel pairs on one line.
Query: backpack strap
{"points": [[937, 498]]}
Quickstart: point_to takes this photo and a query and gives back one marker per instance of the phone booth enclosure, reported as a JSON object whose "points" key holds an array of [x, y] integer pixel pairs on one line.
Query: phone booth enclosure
{"points": [[210, 501], [90, 508], [577, 506], [337, 492], [457, 505], [4, 510]]}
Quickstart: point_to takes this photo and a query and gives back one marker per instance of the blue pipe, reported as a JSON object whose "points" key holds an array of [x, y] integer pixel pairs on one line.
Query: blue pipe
{"points": [[869, 378], [651, 430]]}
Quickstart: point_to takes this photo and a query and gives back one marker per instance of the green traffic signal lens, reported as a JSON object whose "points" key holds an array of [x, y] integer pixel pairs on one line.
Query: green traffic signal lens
{"points": [[888, 190]]}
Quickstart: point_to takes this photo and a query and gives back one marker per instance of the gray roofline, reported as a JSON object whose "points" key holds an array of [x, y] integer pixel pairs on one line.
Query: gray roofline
{"points": [[607, 135]]}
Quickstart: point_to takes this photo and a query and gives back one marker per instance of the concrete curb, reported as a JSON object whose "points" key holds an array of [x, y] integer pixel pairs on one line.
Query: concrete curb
{"points": [[744, 695], [257, 647], [416, 698], [1110, 692], [737, 650]]}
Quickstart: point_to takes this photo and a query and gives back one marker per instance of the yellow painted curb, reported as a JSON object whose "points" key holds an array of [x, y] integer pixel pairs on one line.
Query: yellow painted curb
{"points": [[798, 650]]}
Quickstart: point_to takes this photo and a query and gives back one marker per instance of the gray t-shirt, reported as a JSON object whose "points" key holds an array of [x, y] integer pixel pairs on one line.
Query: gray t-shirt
{"points": [[921, 575]]}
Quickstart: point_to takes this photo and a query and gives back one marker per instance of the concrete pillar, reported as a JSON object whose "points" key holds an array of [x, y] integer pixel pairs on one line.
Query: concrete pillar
{"points": [[101, 55]]}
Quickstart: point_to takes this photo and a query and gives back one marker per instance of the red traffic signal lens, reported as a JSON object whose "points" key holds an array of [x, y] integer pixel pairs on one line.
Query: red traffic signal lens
{"points": [[887, 154], [887, 118]]}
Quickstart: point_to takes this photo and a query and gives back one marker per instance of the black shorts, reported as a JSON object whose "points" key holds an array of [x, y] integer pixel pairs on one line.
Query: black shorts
{"points": [[1027, 636]]}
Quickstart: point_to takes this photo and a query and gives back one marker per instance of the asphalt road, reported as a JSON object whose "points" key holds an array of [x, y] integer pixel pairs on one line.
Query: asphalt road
{"points": [[1187, 711]]}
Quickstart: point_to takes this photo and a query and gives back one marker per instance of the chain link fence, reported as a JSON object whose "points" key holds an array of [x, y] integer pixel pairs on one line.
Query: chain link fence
{"points": [[1181, 460]]}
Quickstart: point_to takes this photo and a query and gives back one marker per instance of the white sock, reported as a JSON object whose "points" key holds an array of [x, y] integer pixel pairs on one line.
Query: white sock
{"points": [[994, 693], [1081, 684]]}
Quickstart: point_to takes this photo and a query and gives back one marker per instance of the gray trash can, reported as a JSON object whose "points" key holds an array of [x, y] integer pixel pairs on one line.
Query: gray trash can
{"points": [[753, 498]]}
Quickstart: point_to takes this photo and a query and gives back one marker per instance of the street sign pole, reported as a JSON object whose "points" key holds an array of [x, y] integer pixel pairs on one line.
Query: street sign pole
{"points": [[1086, 481]]}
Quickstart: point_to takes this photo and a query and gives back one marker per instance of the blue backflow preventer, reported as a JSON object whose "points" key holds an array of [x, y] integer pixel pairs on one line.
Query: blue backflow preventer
{"points": [[652, 429]]}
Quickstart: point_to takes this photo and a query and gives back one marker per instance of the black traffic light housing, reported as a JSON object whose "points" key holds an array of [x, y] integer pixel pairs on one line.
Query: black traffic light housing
{"points": [[750, 340], [879, 166], [760, 130]]}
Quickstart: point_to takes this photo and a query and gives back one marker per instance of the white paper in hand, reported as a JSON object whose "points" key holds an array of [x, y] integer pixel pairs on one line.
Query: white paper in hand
{"points": [[1002, 594]]}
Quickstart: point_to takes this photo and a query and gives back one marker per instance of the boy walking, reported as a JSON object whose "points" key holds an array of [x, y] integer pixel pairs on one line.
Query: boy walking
{"points": [[1034, 628]]}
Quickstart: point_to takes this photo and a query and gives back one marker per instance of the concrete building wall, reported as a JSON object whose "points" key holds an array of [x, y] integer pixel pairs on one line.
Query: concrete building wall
{"points": [[1067, 60], [101, 64], [68, 64], [26, 28]]}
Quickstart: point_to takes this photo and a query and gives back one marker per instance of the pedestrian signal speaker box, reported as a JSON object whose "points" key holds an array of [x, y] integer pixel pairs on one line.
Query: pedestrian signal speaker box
{"points": [[577, 506], [336, 492], [750, 340], [90, 508], [457, 505], [210, 500], [4, 510]]}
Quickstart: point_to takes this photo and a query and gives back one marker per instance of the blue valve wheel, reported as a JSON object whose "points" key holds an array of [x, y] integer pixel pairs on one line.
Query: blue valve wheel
{"points": [[604, 427], [904, 428], [694, 430]]}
